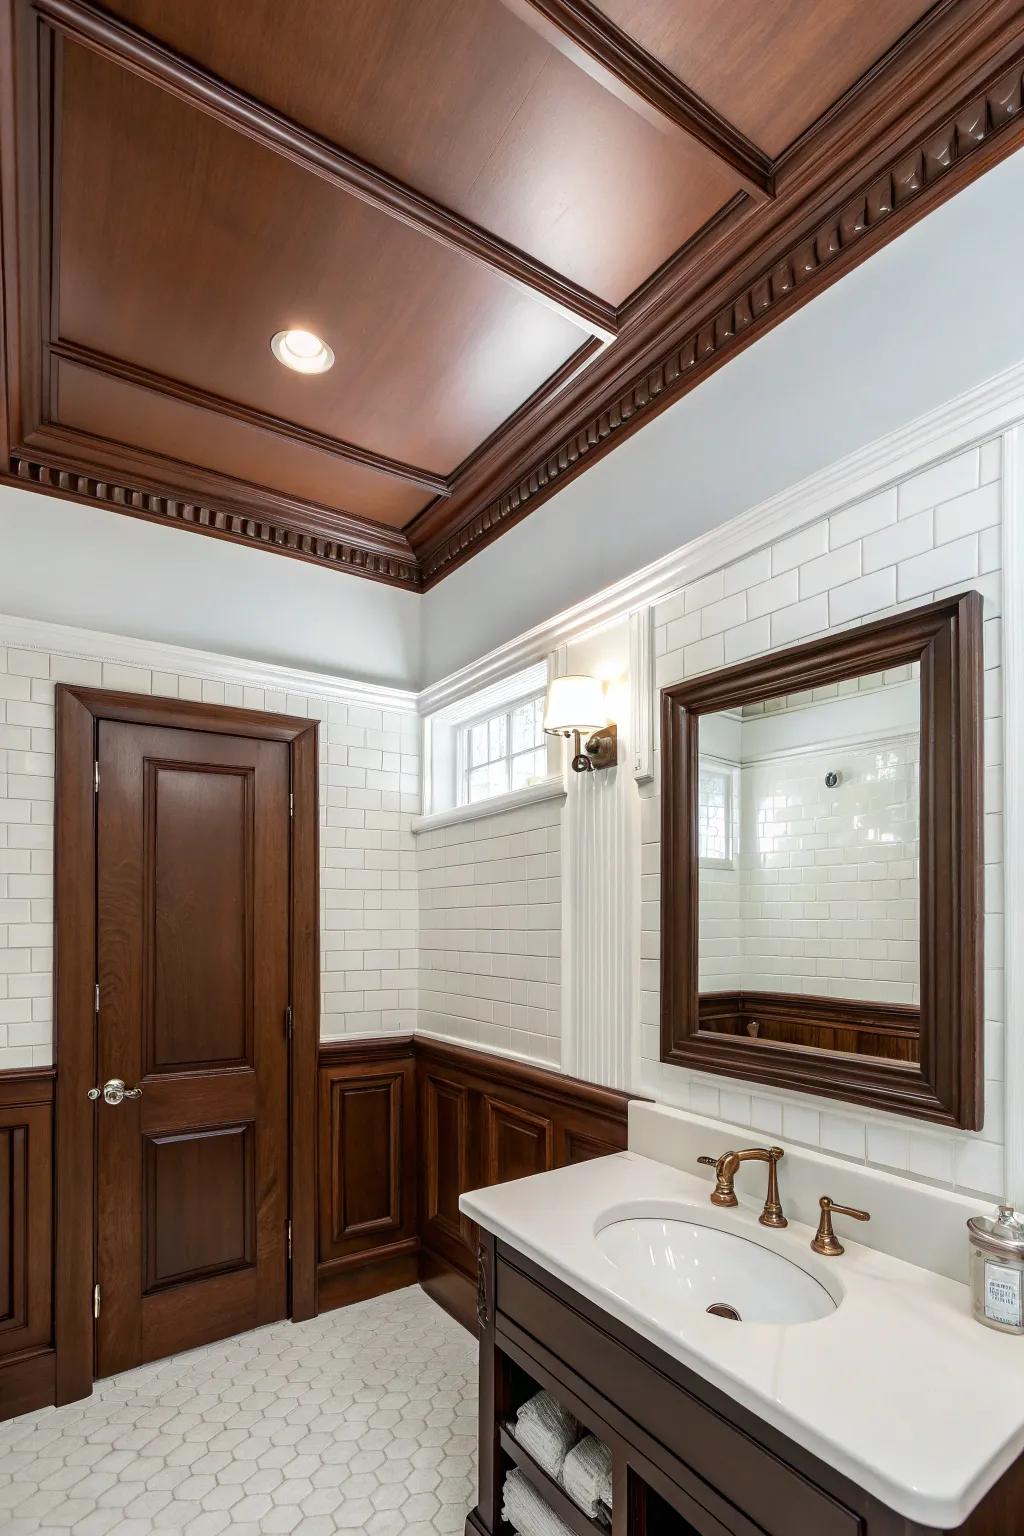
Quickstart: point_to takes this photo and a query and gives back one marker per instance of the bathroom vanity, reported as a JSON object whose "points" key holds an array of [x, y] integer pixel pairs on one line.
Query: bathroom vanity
{"points": [[874, 1406]]}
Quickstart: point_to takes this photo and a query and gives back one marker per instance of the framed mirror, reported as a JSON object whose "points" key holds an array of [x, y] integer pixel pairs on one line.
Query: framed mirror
{"points": [[822, 867]]}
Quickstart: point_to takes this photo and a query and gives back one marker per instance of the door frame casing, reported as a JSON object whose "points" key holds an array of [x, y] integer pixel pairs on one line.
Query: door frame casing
{"points": [[78, 713]]}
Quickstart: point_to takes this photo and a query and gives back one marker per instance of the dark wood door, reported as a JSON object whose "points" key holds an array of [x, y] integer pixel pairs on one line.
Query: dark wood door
{"points": [[193, 937]]}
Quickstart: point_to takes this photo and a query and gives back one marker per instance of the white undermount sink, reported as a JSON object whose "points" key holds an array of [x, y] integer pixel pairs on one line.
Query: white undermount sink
{"points": [[706, 1269]]}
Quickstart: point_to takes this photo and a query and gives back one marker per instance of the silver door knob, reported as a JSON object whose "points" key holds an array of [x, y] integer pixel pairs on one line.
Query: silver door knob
{"points": [[114, 1090]]}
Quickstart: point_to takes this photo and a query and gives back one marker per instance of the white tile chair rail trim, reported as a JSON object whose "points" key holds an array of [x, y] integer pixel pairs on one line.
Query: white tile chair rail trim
{"points": [[159, 656], [552, 788], [430, 1032], [964, 422], [1013, 803]]}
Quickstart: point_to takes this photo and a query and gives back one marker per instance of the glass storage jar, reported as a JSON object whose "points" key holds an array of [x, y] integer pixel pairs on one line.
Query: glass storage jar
{"points": [[997, 1270]]}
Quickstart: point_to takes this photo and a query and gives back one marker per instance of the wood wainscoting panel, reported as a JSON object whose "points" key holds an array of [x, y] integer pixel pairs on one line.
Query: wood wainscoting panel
{"points": [[406, 1125], [851, 1025], [445, 1163], [517, 1142], [487, 1119], [27, 1361], [367, 1169]]}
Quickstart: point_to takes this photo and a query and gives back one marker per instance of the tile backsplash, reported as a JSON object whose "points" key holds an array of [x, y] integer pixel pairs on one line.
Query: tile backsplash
{"points": [[823, 898]]}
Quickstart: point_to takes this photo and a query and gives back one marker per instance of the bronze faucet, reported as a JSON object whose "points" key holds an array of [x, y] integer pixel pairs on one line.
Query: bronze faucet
{"points": [[725, 1174]]}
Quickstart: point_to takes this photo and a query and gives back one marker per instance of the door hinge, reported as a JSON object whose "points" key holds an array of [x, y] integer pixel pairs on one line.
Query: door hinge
{"points": [[289, 1022], [96, 1303], [291, 804], [289, 1230], [96, 777], [97, 997]]}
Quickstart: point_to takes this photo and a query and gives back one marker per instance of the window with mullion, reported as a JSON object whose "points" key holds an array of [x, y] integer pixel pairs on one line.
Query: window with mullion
{"points": [[503, 751]]}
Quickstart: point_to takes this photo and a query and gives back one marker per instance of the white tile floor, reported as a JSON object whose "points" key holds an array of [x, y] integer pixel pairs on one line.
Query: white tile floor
{"points": [[361, 1420]]}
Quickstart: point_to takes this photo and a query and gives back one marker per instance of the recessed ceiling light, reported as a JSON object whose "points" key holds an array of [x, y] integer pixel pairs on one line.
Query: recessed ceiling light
{"points": [[302, 351]]}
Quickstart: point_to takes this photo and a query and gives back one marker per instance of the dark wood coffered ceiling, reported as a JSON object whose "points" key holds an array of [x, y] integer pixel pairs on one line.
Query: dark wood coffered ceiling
{"points": [[524, 226]]}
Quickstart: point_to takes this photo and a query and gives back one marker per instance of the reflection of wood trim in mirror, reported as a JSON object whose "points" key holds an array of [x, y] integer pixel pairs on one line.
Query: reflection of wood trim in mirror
{"points": [[945, 1081]]}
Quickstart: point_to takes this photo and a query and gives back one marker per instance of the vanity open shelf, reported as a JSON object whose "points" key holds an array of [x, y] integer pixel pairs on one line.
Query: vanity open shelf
{"points": [[688, 1460], [552, 1492]]}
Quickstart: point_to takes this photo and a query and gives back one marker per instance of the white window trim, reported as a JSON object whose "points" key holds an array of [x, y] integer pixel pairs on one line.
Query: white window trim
{"points": [[441, 741], [551, 788]]}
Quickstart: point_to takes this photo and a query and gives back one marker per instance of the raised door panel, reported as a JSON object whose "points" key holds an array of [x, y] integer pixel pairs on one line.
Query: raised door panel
{"points": [[199, 896], [446, 1174], [367, 1197], [517, 1142], [199, 1204]]}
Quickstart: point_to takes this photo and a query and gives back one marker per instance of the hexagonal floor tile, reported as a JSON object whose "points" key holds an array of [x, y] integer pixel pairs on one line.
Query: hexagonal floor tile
{"points": [[362, 1420]]}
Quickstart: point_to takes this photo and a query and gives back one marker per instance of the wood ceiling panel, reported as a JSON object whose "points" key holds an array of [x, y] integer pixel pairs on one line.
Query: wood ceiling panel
{"points": [[124, 413], [468, 104], [184, 246], [772, 68]]}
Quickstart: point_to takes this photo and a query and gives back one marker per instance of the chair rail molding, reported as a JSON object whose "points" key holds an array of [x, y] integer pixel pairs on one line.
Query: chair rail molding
{"points": [[989, 409], [160, 656], [1013, 803]]}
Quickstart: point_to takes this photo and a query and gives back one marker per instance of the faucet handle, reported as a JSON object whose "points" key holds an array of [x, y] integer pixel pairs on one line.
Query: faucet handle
{"points": [[824, 1240], [708, 1162]]}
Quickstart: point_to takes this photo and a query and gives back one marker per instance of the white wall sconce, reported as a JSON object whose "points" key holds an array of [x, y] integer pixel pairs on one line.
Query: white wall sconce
{"points": [[576, 707]]}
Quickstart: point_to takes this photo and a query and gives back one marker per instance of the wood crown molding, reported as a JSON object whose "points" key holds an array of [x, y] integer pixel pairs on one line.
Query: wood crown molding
{"points": [[992, 408], [986, 126], [379, 557]]}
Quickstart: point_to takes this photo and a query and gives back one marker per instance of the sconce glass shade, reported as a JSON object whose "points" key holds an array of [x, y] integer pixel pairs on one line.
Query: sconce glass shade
{"points": [[575, 704]]}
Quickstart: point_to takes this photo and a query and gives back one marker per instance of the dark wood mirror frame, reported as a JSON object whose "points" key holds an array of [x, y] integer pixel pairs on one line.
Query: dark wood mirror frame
{"points": [[946, 1084]]}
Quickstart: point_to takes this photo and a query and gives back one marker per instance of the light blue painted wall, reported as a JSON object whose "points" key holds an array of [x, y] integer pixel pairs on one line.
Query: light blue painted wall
{"points": [[81, 565]]}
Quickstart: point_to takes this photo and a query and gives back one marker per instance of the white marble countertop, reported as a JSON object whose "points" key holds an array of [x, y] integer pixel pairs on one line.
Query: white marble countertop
{"points": [[899, 1388]]}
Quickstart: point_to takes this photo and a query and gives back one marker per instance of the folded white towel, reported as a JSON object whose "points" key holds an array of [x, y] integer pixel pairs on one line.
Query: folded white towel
{"points": [[587, 1476], [545, 1429], [525, 1510]]}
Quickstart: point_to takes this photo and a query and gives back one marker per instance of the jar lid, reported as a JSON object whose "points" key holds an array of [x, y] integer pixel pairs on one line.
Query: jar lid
{"points": [[1002, 1234]]}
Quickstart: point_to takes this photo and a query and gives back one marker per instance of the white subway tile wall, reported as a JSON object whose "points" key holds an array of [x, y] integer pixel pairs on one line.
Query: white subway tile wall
{"points": [[369, 791], [491, 931], [824, 899], [934, 534]]}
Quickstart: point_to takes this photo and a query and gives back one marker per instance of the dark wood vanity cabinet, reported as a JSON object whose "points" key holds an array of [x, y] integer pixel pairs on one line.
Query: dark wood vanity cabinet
{"points": [[688, 1461]]}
